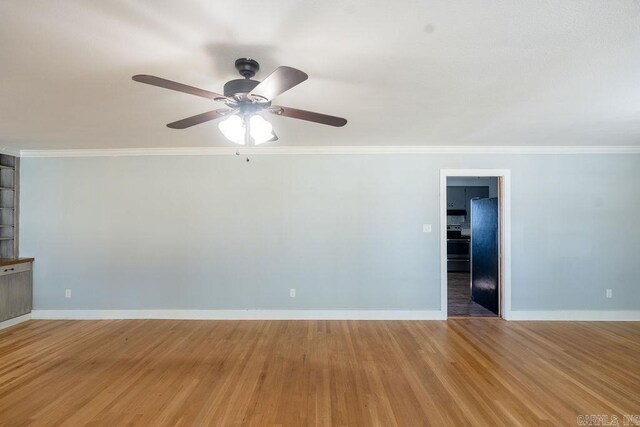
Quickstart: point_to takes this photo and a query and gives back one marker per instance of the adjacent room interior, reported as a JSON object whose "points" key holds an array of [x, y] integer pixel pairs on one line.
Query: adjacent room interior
{"points": [[360, 213], [473, 249]]}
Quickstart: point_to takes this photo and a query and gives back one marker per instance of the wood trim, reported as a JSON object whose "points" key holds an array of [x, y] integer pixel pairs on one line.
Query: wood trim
{"points": [[10, 151], [500, 248], [552, 315], [14, 261], [16, 320], [16, 209], [578, 315], [227, 151], [240, 314], [504, 185]]}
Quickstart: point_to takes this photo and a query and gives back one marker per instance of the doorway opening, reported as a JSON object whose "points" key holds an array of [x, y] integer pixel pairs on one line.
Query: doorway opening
{"points": [[475, 243]]}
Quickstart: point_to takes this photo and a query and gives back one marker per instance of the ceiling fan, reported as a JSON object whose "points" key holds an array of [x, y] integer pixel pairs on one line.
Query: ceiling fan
{"points": [[246, 99]]}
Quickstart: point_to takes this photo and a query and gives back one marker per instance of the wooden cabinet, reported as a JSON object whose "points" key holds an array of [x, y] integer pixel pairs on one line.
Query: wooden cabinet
{"points": [[9, 173], [474, 193], [460, 197], [456, 197], [16, 290], [16, 295]]}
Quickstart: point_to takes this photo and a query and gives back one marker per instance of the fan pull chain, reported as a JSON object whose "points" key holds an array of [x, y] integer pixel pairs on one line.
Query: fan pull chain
{"points": [[238, 153]]}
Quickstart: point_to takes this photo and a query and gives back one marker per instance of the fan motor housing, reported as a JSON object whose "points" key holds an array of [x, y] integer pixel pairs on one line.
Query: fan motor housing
{"points": [[239, 86]]}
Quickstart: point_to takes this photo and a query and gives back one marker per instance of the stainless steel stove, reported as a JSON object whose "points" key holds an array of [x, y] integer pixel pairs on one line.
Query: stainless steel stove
{"points": [[458, 249]]}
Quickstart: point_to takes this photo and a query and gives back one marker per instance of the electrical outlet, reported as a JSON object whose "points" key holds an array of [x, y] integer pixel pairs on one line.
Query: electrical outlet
{"points": [[292, 293], [609, 293], [67, 293], [426, 228]]}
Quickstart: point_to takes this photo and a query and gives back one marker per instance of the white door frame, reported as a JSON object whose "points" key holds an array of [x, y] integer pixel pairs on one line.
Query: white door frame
{"points": [[504, 176]]}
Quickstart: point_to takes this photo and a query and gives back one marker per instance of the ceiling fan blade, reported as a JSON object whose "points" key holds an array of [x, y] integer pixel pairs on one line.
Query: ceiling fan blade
{"points": [[308, 115], [168, 84], [200, 118], [281, 80]]}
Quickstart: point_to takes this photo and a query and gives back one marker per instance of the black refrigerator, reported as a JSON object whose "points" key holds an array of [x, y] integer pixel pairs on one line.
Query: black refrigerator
{"points": [[485, 253]]}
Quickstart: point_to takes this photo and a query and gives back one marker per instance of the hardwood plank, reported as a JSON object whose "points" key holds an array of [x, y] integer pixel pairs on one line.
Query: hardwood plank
{"points": [[407, 373]]}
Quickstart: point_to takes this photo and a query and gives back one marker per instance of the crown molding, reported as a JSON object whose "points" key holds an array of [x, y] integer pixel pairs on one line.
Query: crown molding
{"points": [[288, 150], [10, 151]]}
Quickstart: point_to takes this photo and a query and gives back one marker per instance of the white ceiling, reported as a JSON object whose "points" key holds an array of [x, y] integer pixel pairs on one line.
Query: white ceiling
{"points": [[515, 72]]}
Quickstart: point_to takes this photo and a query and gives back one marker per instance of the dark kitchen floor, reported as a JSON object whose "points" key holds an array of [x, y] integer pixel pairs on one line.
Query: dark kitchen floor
{"points": [[459, 298]]}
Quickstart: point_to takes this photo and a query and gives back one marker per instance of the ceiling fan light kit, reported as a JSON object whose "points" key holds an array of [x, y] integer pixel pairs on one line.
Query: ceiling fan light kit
{"points": [[235, 129], [245, 100]]}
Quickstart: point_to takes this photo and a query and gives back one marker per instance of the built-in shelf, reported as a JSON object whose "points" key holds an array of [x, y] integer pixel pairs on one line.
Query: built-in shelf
{"points": [[9, 174]]}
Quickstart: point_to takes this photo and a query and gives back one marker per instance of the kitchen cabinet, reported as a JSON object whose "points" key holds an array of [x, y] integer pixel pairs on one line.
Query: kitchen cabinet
{"points": [[474, 193], [9, 174], [16, 280], [456, 197], [460, 197], [16, 288]]}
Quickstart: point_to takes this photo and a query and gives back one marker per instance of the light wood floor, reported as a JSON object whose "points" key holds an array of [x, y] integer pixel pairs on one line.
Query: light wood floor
{"points": [[294, 373]]}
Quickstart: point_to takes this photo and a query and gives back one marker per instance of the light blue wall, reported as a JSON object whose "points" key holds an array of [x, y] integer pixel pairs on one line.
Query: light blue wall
{"points": [[189, 232]]}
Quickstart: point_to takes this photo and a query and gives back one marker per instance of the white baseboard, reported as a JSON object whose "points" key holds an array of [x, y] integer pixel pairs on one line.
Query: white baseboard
{"points": [[555, 315], [15, 321], [577, 315], [241, 314]]}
